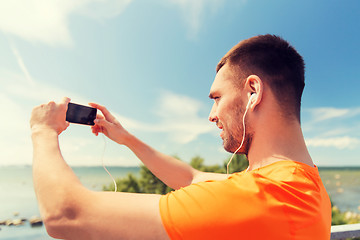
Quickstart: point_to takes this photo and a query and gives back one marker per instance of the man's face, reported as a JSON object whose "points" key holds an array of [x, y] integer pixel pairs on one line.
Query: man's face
{"points": [[228, 110]]}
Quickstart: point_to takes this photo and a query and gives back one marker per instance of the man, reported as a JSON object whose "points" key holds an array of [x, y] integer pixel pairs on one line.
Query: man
{"points": [[257, 93]]}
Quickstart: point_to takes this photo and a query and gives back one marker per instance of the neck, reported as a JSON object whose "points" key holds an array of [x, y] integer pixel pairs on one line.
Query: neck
{"points": [[276, 141]]}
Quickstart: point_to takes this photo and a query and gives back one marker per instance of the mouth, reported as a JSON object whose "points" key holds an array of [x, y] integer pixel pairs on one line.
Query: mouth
{"points": [[222, 134], [221, 128]]}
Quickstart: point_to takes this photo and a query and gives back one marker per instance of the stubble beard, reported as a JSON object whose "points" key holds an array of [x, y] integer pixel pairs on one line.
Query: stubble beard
{"points": [[233, 139], [232, 143]]}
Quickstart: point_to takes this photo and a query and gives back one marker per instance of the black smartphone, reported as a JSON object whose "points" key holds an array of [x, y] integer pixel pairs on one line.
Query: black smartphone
{"points": [[80, 114]]}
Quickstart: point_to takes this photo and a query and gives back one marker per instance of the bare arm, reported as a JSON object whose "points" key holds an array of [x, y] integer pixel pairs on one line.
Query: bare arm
{"points": [[170, 170], [69, 210]]}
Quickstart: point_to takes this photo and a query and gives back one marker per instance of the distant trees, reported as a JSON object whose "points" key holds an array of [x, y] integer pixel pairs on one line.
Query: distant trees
{"points": [[149, 183]]}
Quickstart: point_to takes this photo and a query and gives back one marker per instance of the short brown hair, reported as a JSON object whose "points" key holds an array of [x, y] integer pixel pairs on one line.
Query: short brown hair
{"points": [[276, 62]]}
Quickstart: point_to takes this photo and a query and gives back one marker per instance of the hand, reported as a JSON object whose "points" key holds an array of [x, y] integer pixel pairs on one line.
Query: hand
{"points": [[50, 116], [108, 125]]}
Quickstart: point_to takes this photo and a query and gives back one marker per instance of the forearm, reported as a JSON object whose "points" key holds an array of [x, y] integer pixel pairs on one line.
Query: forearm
{"points": [[170, 170], [54, 181]]}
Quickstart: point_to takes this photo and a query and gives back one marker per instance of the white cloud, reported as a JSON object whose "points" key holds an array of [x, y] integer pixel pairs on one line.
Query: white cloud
{"points": [[341, 143], [173, 105], [341, 131], [194, 12], [15, 134], [333, 128], [47, 21], [21, 64], [100, 9], [178, 117], [322, 114]]}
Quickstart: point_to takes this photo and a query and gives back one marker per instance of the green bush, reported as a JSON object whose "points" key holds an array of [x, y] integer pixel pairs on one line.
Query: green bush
{"points": [[149, 183]]}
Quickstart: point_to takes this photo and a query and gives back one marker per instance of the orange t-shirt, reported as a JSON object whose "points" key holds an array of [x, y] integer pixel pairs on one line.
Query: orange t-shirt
{"points": [[283, 200]]}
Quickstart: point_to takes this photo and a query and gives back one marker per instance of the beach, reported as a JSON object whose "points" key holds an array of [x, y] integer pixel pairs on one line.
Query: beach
{"points": [[17, 199]]}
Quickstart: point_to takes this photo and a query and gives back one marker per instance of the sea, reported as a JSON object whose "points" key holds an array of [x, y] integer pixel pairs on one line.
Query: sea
{"points": [[17, 197], [18, 200]]}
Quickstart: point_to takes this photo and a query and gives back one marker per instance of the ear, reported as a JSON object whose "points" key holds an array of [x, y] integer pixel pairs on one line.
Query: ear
{"points": [[254, 86]]}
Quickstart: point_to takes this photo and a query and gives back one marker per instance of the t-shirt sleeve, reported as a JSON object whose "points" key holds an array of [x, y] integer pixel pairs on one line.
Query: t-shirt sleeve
{"points": [[212, 210]]}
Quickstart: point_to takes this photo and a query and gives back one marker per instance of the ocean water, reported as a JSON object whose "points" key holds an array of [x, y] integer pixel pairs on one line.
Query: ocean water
{"points": [[343, 187], [17, 196]]}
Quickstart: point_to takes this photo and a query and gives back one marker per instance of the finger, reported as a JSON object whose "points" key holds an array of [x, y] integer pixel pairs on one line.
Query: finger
{"points": [[103, 109], [99, 116], [94, 105], [65, 100], [95, 130], [101, 122], [50, 104]]}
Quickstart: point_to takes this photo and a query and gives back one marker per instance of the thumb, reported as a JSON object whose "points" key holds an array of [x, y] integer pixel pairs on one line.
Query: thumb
{"points": [[101, 122], [101, 126]]}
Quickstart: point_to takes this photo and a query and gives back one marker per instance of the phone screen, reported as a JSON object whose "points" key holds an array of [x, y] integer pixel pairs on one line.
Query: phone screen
{"points": [[80, 114]]}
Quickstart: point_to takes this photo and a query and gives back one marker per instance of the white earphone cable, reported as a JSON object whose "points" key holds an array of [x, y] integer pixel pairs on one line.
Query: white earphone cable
{"points": [[102, 161], [242, 141]]}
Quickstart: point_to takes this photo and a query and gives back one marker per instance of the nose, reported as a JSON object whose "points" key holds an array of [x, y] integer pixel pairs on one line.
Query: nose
{"points": [[212, 116]]}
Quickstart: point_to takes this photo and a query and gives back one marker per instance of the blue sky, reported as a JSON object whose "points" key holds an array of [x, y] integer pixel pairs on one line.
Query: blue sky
{"points": [[152, 64]]}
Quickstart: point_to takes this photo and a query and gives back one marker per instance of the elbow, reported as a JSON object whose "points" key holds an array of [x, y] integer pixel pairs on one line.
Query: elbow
{"points": [[66, 219], [60, 210], [60, 222], [52, 227]]}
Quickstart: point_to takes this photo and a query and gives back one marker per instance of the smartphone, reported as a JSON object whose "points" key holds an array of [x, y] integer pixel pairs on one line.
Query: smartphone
{"points": [[81, 114]]}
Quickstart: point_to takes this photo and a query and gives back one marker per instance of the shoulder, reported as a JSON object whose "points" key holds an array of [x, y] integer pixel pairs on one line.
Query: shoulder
{"points": [[287, 171]]}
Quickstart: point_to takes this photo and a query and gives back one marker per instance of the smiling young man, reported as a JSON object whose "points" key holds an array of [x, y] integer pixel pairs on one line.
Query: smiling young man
{"points": [[257, 94]]}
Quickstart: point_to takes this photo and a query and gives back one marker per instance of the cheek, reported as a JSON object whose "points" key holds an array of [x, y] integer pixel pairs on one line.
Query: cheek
{"points": [[225, 118], [230, 118]]}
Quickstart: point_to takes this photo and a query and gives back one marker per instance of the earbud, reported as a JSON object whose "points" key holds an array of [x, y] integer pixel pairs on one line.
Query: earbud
{"points": [[253, 96]]}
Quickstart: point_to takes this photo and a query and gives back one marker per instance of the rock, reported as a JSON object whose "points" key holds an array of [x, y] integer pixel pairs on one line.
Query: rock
{"points": [[35, 222], [16, 214], [17, 222], [9, 222]]}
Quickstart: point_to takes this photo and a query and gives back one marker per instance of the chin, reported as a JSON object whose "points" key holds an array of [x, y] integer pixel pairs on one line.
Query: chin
{"points": [[232, 147], [229, 147]]}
